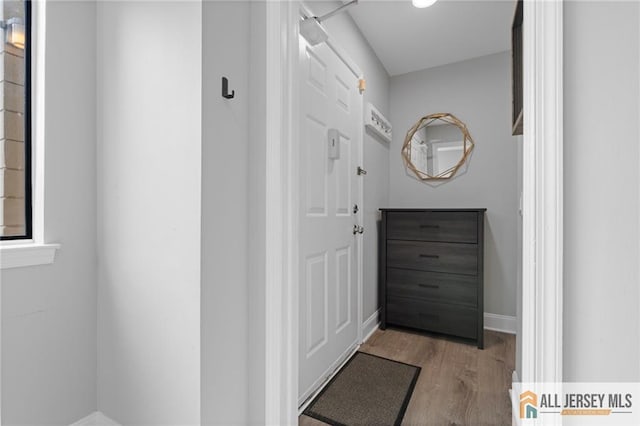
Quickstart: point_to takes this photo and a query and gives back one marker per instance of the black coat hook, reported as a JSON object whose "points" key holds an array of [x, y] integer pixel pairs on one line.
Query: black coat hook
{"points": [[225, 89]]}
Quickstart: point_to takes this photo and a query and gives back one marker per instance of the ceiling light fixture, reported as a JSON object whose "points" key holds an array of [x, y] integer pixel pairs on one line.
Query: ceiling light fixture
{"points": [[421, 4]]}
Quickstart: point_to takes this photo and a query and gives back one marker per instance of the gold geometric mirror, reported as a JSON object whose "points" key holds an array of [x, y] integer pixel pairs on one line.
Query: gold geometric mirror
{"points": [[437, 146]]}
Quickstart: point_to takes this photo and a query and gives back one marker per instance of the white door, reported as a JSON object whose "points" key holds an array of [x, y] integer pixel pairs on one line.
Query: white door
{"points": [[329, 190]]}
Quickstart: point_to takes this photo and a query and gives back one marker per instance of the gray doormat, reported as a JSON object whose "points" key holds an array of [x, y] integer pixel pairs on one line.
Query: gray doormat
{"points": [[368, 390]]}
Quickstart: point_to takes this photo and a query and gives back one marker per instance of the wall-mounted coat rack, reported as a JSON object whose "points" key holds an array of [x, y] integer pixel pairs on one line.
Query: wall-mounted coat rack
{"points": [[225, 89], [374, 120]]}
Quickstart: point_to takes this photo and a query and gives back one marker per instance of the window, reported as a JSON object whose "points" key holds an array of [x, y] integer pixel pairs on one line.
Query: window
{"points": [[15, 121]]}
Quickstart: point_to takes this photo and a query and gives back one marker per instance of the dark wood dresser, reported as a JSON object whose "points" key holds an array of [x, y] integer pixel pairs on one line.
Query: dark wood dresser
{"points": [[431, 270]]}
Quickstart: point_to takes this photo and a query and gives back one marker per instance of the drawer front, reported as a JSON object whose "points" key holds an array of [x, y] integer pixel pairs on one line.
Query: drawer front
{"points": [[433, 286], [434, 257], [453, 227], [441, 318]]}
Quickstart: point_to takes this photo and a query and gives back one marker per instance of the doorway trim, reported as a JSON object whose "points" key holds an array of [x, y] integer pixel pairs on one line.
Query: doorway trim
{"points": [[542, 203], [542, 198]]}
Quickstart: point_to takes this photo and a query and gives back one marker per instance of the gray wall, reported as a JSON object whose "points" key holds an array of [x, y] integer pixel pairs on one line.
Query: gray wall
{"points": [[225, 212], [601, 191], [345, 33], [478, 92], [49, 312], [149, 211]]}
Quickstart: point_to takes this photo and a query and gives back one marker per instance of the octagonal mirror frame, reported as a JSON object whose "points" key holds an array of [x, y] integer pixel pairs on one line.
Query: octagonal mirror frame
{"points": [[428, 120]]}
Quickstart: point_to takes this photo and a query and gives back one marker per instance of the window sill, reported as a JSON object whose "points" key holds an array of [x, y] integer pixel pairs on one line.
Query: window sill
{"points": [[27, 254]]}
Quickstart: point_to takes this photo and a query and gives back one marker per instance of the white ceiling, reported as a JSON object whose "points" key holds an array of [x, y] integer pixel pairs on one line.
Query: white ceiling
{"points": [[408, 39]]}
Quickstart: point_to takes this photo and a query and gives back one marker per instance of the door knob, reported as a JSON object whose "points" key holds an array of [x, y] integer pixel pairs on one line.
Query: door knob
{"points": [[361, 171], [358, 229]]}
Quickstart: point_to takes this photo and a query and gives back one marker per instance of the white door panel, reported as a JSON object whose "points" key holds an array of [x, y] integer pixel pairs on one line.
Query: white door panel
{"points": [[329, 188]]}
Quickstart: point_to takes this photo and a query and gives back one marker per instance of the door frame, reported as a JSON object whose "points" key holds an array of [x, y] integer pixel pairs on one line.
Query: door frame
{"points": [[542, 197], [541, 335]]}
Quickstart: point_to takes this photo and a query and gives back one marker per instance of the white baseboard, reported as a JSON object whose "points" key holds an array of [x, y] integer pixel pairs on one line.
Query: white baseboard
{"points": [[515, 421], [96, 419], [502, 323], [370, 326], [495, 322], [103, 420], [321, 383], [90, 420]]}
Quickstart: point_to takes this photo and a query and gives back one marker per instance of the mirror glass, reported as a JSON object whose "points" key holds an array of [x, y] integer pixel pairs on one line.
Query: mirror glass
{"points": [[437, 146]]}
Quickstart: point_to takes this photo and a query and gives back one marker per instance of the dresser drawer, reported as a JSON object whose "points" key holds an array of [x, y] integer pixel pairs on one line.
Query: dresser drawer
{"points": [[446, 288], [435, 257], [453, 227], [455, 320]]}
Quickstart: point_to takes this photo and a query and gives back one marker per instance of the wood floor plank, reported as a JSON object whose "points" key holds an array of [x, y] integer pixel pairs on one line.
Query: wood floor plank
{"points": [[458, 385]]}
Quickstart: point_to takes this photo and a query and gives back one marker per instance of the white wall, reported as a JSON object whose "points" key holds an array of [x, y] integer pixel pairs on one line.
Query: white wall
{"points": [[345, 33], [49, 312], [149, 212], [225, 213], [478, 92], [601, 191], [519, 249], [257, 209]]}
